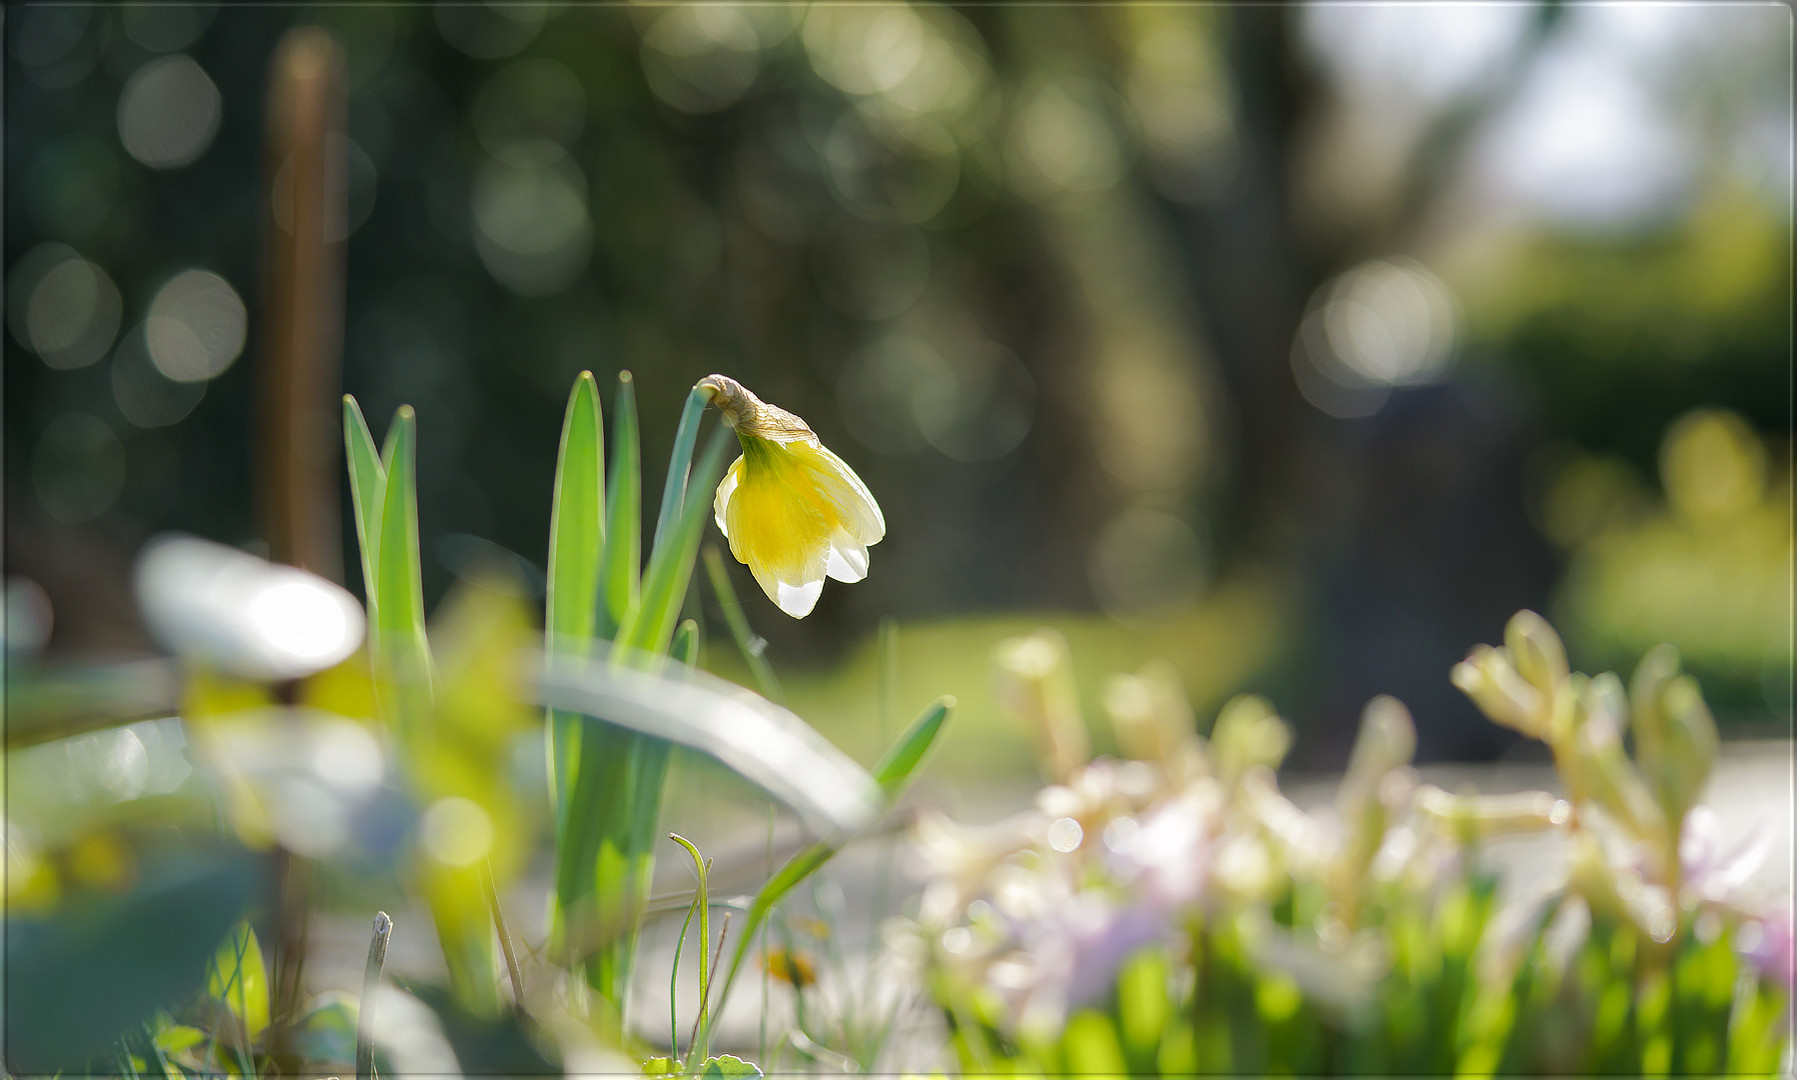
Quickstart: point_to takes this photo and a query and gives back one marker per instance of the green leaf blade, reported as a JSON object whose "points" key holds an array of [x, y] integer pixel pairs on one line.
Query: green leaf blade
{"points": [[903, 758], [576, 540], [671, 563], [622, 562], [577, 518], [239, 981], [368, 486], [403, 650], [674, 490]]}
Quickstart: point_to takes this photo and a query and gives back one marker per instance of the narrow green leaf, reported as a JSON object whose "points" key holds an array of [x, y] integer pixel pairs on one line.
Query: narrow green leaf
{"points": [[904, 756], [576, 537], [674, 490], [753, 648], [623, 513], [403, 648], [368, 485], [390, 445], [178, 1037], [399, 565], [760, 741], [576, 521], [671, 562], [805, 862], [239, 981]]}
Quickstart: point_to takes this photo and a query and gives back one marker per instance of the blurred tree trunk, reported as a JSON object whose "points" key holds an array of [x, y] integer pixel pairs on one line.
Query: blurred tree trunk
{"points": [[1403, 532]]}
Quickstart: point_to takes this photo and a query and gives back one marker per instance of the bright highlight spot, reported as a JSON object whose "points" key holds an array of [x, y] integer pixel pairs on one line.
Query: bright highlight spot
{"points": [[196, 327], [1065, 834], [169, 113], [63, 307], [1380, 325], [456, 831], [248, 617]]}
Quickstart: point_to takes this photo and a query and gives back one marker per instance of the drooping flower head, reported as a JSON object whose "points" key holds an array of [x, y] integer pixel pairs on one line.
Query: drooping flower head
{"points": [[793, 512]]}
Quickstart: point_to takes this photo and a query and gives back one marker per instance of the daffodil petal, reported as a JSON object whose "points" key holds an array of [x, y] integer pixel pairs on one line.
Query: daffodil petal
{"points": [[852, 499], [798, 600], [848, 560], [720, 506]]}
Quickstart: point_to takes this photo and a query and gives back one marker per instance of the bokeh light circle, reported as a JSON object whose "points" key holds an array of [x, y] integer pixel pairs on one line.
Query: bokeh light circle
{"points": [[196, 327], [1382, 324], [490, 31], [1146, 563], [531, 224], [169, 112], [145, 396], [62, 307], [701, 58]]}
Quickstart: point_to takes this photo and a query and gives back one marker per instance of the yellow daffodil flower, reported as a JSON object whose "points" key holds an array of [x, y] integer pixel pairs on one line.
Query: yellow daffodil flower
{"points": [[792, 511]]}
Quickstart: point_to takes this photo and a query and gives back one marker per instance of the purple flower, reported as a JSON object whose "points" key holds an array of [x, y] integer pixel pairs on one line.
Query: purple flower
{"points": [[1713, 870], [1767, 944]]}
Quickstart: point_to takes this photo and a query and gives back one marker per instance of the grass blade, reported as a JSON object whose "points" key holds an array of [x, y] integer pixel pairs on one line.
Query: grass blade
{"points": [[623, 558], [753, 648]]}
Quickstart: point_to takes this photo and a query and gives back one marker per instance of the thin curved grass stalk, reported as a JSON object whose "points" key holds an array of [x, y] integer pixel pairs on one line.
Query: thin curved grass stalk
{"points": [[685, 649], [505, 934], [749, 643], [702, 900], [674, 981], [717, 957]]}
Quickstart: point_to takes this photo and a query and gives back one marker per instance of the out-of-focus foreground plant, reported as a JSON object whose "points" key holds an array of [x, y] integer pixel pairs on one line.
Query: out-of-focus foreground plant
{"points": [[1173, 912], [134, 909]]}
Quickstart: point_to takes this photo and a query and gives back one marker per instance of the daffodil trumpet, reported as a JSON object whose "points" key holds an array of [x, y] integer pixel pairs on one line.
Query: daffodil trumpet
{"points": [[793, 512]]}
